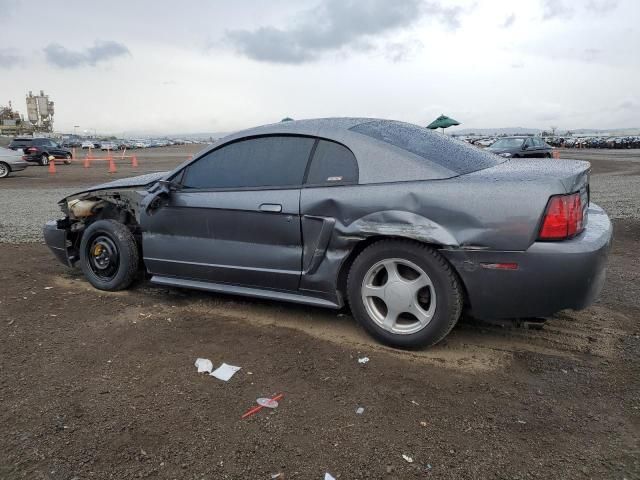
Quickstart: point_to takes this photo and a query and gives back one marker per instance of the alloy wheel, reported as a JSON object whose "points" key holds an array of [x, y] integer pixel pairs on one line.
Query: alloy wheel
{"points": [[399, 296]]}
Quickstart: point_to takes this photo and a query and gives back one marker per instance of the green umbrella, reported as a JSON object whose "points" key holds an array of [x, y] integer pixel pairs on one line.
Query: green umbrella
{"points": [[442, 122]]}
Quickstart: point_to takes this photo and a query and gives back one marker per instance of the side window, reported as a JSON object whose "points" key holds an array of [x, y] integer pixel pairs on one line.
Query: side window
{"points": [[528, 143], [332, 164], [278, 161], [539, 143]]}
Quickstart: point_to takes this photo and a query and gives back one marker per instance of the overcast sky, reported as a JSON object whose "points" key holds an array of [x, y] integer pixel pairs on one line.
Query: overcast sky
{"points": [[151, 66]]}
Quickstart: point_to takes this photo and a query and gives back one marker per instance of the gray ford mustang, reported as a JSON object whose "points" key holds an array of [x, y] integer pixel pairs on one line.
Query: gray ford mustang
{"points": [[408, 226]]}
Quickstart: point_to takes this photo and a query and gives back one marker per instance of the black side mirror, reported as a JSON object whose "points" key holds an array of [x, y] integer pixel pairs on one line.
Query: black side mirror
{"points": [[157, 192]]}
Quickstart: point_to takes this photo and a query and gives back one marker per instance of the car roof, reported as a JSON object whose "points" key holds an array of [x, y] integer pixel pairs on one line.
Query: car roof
{"points": [[378, 161]]}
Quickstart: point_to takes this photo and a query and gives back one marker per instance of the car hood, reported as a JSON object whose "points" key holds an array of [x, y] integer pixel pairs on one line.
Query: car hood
{"points": [[130, 182]]}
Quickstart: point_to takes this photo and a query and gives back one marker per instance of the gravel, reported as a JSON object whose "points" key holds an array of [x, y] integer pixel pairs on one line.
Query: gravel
{"points": [[25, 210]]}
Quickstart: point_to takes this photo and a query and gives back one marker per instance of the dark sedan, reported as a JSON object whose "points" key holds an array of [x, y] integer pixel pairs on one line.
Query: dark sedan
{"points": [[521, 147], [40, 150], [408, 226]]}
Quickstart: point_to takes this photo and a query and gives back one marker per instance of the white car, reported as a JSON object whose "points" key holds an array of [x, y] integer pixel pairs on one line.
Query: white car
{"points": [[108, 146], [11, 161], [87, 144]]}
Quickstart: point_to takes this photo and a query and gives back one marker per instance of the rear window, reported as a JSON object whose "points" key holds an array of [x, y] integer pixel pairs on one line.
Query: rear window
{"points": [[18, 142], [457, 156]]}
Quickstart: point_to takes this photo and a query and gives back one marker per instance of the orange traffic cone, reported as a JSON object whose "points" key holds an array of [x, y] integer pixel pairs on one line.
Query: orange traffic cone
{"points": [[112, 165], [87, 163], [134, 162], [52, 165]]}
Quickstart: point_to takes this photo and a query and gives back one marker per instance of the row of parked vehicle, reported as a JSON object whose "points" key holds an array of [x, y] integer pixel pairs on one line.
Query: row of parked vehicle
{"points": [[595, 142], [121, 144]]}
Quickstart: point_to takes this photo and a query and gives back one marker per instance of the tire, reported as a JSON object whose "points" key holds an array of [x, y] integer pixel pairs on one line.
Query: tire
{"points": [[547, 155], [439, 301], [67, 159], [5, 170], [121, 253], [44, 160]]}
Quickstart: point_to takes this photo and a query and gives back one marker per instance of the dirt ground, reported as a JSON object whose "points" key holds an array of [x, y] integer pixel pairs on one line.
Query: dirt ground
{"points": [[97, 385]]}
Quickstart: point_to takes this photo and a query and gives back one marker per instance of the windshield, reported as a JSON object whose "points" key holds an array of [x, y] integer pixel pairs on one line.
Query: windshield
{"points": [[508, 143]]}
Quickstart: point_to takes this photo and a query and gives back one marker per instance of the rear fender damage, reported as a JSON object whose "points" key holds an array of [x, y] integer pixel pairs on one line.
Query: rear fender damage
{"points": [[326, 260]]}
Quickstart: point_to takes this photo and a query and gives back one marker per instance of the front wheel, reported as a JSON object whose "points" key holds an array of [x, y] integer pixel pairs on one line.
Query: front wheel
{"points": [[5, 170], [67, 159], [44, 160], [109, 255], [404, 294]]}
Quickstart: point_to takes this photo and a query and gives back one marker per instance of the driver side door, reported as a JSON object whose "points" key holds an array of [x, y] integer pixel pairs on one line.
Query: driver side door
{"points": [[235, 219]]}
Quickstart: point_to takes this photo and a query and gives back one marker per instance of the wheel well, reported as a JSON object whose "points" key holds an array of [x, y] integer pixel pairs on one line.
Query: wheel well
{"points": [[360, 246]]}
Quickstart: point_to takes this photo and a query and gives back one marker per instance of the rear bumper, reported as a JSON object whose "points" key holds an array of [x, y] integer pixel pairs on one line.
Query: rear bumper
{"points": [[551, 276], [57, 241], [18, 166]]}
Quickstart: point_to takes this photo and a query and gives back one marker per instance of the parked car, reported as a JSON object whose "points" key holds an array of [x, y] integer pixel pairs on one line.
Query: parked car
{"points": [[406, 225], [108, 146], [87, 144], [11, 161], [521, 147], [38, 150]]}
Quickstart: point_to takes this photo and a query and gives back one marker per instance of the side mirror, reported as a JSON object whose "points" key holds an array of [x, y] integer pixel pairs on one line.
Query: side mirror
{"points": [[157, 192]]}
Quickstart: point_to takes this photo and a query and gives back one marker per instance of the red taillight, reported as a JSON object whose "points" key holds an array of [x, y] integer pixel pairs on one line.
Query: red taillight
{"points": [[32, 150], [563, 217]]}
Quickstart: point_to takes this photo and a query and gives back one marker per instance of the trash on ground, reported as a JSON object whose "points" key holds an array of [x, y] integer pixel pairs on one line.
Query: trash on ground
{"points": [[204, 365], [224, 372], [407, 458], [254, 410], [267, 402], [363, 360], [48, 288], [360, 410], [328, 476], [276, 475], [423, 424]]}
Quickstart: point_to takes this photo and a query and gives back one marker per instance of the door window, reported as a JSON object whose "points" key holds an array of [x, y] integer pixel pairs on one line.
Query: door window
{"points": [[278, 161], [332, 164]]}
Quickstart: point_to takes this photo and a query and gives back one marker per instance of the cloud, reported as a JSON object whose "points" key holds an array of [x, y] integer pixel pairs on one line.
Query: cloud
{"points": [[335, 25], [554, 9], [402, 51], [7, 8], [101, 51], [9, 58], [601, 7], [509, 21]]}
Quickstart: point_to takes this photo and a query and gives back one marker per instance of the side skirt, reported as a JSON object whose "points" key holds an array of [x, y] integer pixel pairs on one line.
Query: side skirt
{"points": [[244, 291]]}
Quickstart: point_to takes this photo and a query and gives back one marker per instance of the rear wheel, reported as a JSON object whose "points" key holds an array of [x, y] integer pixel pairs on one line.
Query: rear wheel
{"points": [[44, 160], [109, 255], [5, 170], [67, 159], [404, 294]]}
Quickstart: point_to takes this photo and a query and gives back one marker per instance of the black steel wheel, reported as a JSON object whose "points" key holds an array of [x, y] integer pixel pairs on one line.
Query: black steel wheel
{"points": [[109, 255]]}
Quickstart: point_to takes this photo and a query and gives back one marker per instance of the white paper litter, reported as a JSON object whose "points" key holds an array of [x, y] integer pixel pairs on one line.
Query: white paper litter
{"points": [[204, 365], [363, 360], [224, 372], [328, 476], [407, 458], [360, 410], [267, 402]]}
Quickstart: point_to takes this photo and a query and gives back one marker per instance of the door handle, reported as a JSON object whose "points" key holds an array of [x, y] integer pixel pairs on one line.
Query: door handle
{"points": [[271, 207]]}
